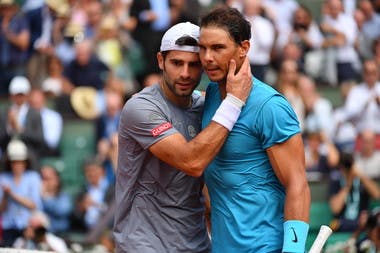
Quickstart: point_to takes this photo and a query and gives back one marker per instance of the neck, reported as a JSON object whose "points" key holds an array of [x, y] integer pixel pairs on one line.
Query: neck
{"points": [[180, 101], [222, 90]]}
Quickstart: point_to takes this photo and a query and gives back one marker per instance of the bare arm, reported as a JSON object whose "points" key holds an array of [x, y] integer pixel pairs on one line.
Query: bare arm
{"points": [[371, 186], [288, 162], [192, 157], [338, 200], [19, 199], [20, 40]]}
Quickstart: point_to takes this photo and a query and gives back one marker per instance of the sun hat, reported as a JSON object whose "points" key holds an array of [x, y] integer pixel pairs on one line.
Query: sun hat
{"points": [[85, 101], [178, 31], [7, 2]]}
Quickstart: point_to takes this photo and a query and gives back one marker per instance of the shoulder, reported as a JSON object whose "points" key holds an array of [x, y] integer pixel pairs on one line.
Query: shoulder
{"points": [[262, 92], [149, 95], [143, 103]]}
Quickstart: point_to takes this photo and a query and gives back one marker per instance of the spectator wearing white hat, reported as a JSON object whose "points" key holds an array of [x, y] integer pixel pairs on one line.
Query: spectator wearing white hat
{"points": [[19, 192], [18, 119]]}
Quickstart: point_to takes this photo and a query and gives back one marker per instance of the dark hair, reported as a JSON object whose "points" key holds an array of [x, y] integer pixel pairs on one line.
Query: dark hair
{"points": [[229, 19], [8, 166], [93, 161], [56, 173], [186, 41], [183, 41]]}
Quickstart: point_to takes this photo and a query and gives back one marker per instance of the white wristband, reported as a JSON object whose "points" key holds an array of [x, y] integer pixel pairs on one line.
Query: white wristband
{"points": [[239, 103], [228, 112]]}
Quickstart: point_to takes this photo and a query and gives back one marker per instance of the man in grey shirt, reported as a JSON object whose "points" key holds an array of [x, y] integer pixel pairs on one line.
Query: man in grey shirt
{"points": [[159, 201]]}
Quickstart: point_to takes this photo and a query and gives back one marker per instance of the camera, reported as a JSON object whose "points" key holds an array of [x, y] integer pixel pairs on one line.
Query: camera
{"points": [[346, 160]]}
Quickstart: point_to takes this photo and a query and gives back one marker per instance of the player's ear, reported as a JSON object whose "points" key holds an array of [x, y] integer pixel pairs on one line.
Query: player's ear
{"points": [[160, 60], [244, 48]]}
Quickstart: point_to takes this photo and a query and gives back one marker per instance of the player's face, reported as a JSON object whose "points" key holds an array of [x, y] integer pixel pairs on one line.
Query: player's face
{"points": [[217, 48], [181, 72]]}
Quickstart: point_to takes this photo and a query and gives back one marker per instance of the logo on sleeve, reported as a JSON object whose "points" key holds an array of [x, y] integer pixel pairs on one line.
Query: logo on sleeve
{"points": [[295, 236], [161, 128]]}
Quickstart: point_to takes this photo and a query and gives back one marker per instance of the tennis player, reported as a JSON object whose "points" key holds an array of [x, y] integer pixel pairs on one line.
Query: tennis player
{"points": [[257, 183], [161, 158]]}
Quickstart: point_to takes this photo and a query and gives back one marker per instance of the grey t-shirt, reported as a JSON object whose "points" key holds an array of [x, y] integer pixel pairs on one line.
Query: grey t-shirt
{"points": [[159, 208]]}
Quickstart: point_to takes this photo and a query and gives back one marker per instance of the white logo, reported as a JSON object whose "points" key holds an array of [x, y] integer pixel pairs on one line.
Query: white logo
{"points": [[191, 130]]}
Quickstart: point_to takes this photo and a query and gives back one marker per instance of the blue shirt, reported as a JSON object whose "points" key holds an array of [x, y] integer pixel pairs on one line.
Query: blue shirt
{"points": [[11, 55], [247, 199], [16, 216], [58, 208]]}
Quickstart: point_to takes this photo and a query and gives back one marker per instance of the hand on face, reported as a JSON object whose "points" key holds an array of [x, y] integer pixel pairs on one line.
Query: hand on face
{"points": [[239, 83]]}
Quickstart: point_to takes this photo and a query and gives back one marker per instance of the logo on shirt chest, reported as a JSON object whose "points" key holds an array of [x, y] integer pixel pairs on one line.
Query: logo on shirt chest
{"points": [[191, 130]]}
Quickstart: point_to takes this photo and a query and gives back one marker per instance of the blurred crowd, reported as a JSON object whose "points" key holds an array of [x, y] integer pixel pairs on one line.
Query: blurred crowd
{"points": [[82, 59]]}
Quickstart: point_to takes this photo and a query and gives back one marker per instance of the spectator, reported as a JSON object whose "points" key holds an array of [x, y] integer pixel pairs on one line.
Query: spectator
{"points": [[152, 18], [55, 83], [20, 120], [94, 13], [340, 41], [350, 194], [321, 156], [292, 51], [305, 34], [376, 52], [37, 237], [56, 203], [362, 104], [65, 40], [106, 131], [344, 131], [287, 84], [368, 158], [370, 242], [19, 192], [184, 11], [281, 13], [372, 20], [318, 110], [262, 40], [363, 43], [111, 46], [86, 69], [121, 10], [91, 205], [43, 21], [14, 42], [52, 123]]}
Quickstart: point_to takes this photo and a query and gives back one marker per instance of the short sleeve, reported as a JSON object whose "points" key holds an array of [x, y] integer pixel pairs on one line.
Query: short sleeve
{"points": [[145, 122], [277, 121]]}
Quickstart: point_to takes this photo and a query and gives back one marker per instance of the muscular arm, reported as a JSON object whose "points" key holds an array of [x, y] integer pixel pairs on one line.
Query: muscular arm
{"points": [[288, 162], [192, 157]]}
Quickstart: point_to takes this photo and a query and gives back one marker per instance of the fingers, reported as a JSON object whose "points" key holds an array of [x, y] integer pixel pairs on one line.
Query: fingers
{"points": [[231, 68], [246, 66]]}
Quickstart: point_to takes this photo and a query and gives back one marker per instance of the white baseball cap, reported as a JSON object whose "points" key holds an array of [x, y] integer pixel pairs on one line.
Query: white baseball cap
{"points": [[19, 85], [176, 32], [17, 151]]}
